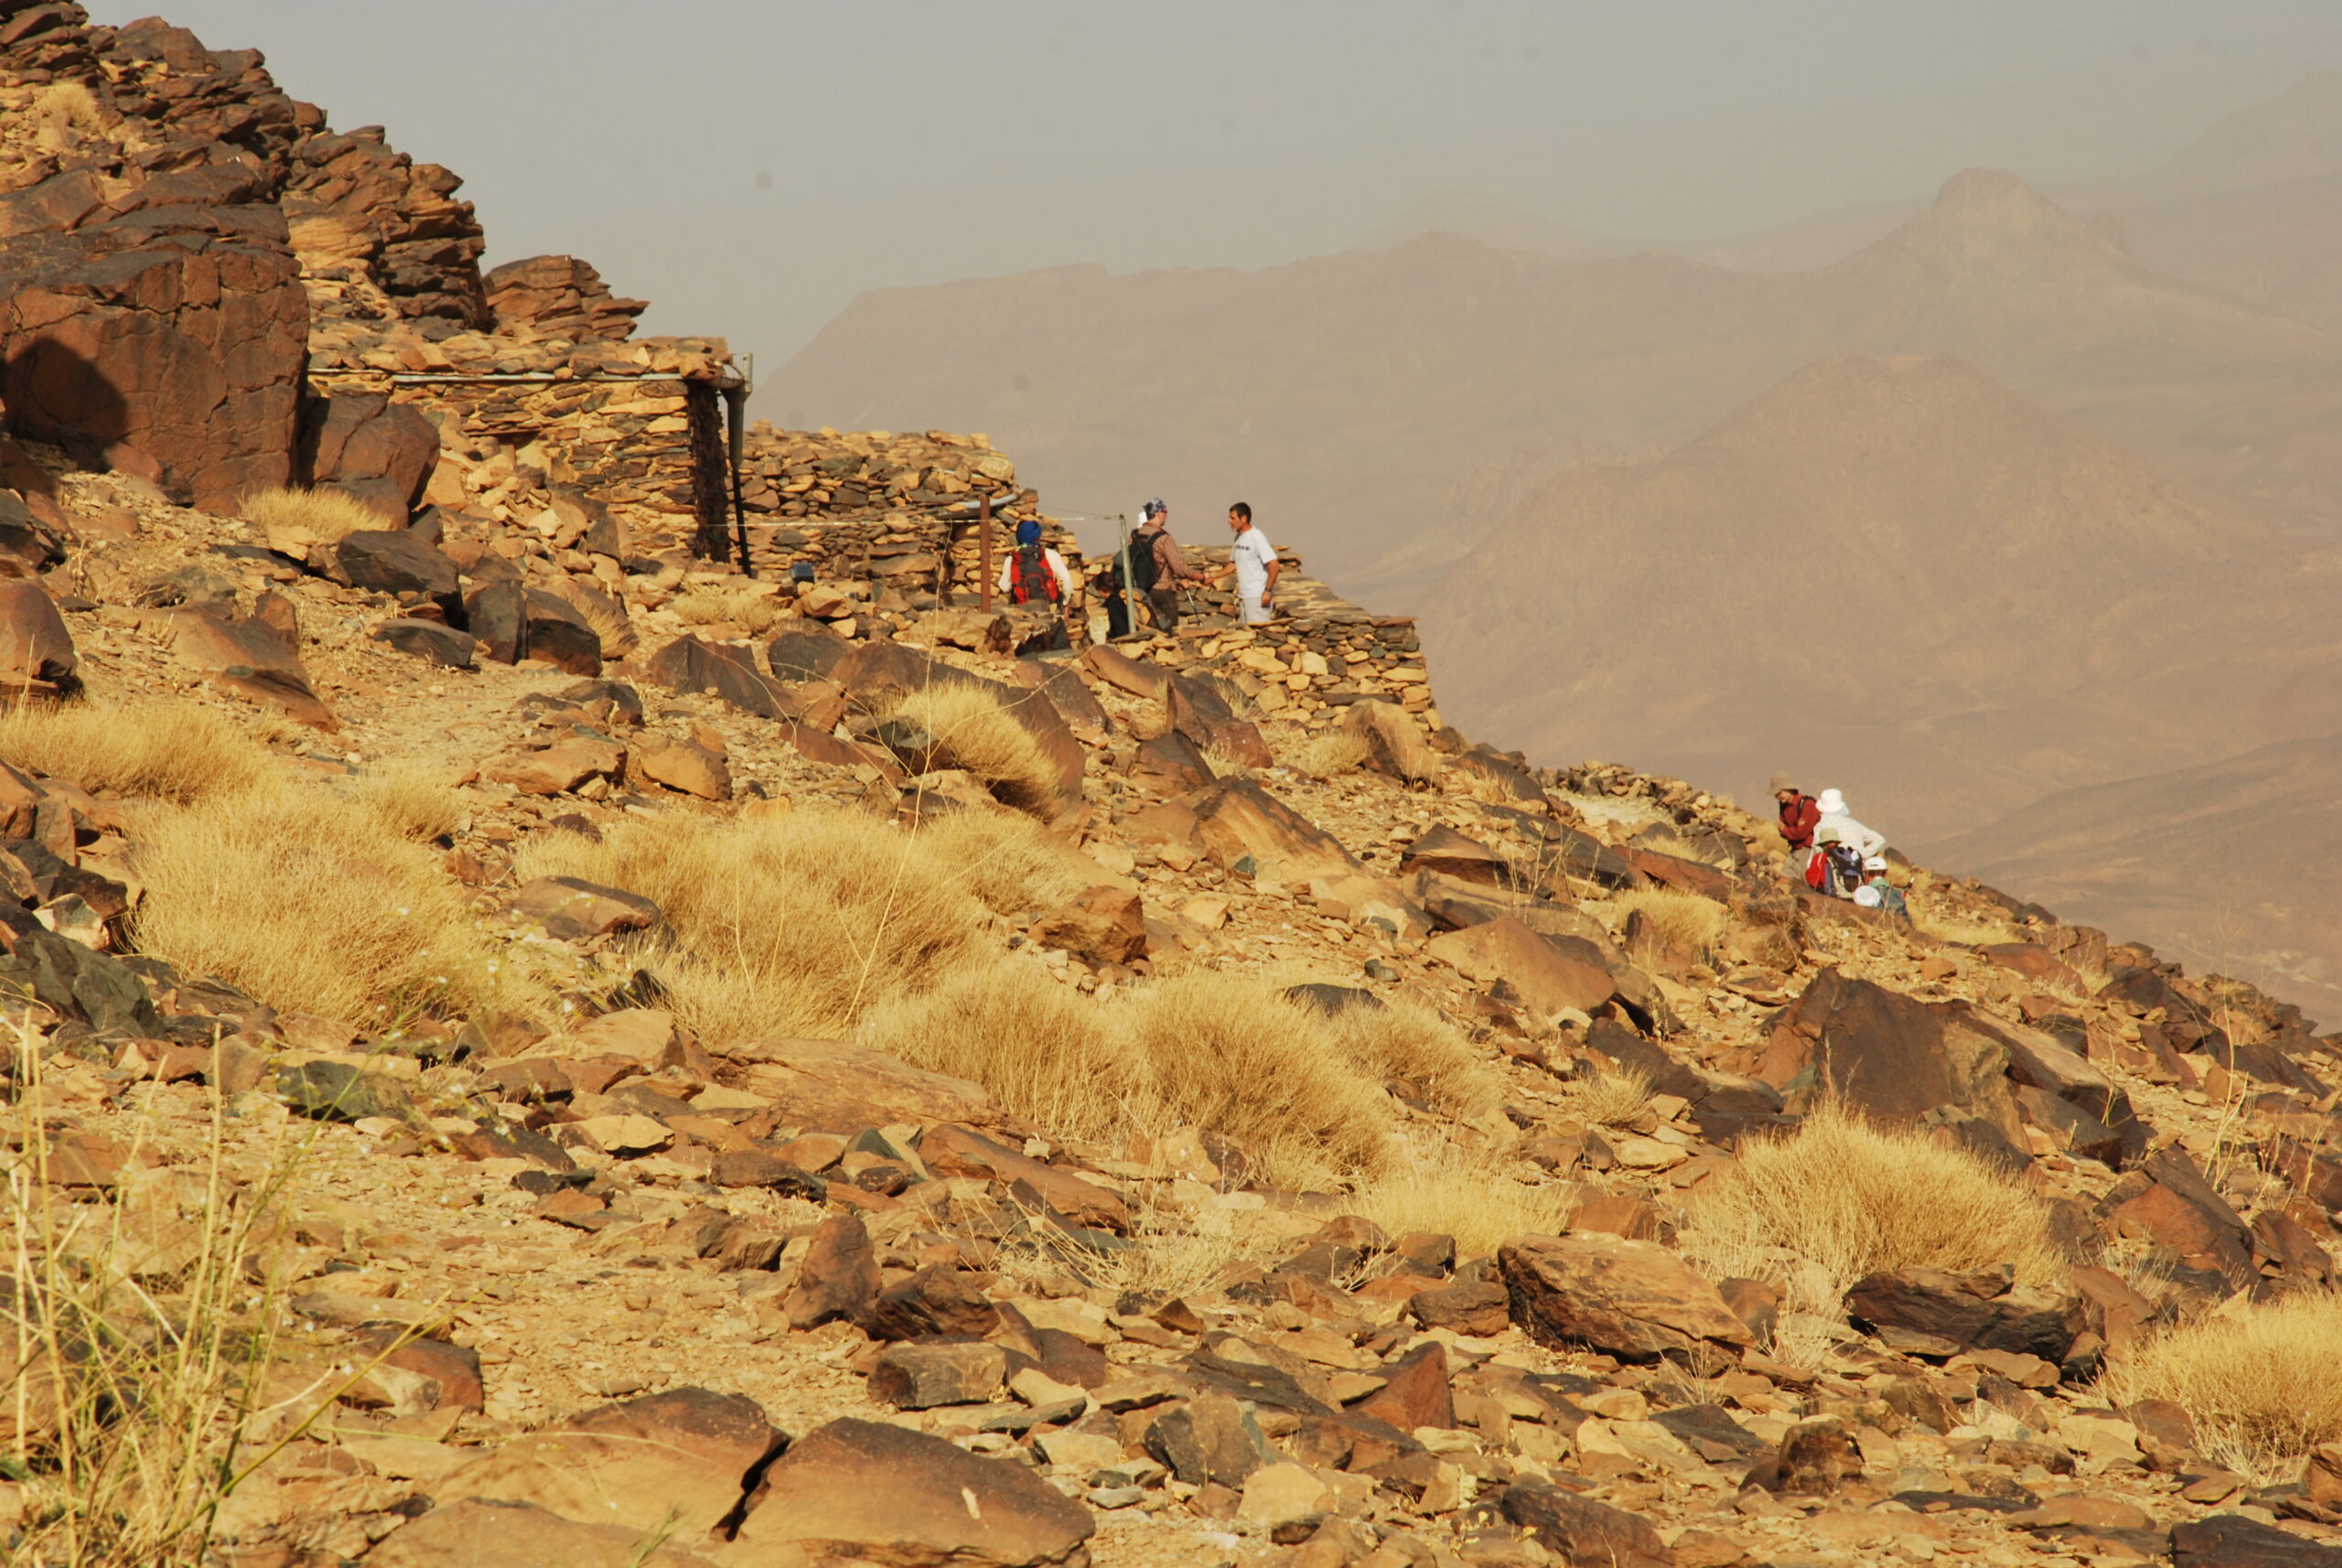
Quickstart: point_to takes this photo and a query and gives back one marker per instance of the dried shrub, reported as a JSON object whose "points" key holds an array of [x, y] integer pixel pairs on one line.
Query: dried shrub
{"points": [[1682, 920], [169, 751], [303, 897], [412, 801], [1464, 1193], [975, 731], [1608, 1099], [325, 515], [2261, 1379], [1336, 751], [796, 924], [1840, 1198], [1401, 1041], [755, 610]]}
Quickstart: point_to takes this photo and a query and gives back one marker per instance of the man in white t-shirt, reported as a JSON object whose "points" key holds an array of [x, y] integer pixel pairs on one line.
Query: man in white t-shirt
{"points": [[1254, 564]]}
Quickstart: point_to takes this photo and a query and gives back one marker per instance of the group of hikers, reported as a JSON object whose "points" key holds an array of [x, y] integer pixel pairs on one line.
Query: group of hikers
{"points": [[1834, 854], [1035, 574]]}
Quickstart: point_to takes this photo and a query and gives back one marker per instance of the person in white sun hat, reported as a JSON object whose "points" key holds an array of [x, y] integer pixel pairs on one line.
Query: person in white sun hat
{"points": [[1835, 815]]}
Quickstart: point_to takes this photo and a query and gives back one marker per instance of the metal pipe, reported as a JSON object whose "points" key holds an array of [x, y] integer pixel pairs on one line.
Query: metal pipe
{"points": [[434, 377], [983, 521]]}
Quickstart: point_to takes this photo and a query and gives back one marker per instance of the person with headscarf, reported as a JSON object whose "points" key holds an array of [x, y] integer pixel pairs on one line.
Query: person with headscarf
{"points": [[1157, 567], [1034, 573]]}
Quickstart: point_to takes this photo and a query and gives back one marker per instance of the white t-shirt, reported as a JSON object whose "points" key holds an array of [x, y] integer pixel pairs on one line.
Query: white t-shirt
{"points": [[1253, 554]]}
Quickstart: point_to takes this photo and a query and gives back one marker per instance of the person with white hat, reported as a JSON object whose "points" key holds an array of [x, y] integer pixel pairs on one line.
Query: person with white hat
{"points": [[1834, 815], [1877, 893]]}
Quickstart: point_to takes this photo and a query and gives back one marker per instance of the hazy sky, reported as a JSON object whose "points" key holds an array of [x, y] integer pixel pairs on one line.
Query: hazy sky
{"points": [[751, 167]]}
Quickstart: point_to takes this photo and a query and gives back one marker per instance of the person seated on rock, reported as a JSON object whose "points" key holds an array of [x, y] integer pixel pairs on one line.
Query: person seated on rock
{"points": [[1835, 867], [1800, 817], [1877, 893], [1834, 815]]}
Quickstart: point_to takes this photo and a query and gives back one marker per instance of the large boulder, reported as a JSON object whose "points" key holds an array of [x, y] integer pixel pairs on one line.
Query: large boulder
{"points": [[1548, 972], [730, 674], [167, 328], [35, 648], [1634, 1299], [1890, 1056], [249, 656], [378, 452], [1237, 820], [1970, 1311], [861, 1491], [1583, 1533]]}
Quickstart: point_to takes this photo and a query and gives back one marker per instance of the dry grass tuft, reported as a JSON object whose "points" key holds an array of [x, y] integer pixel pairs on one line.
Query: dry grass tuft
{"points": [[1840, 1198], [975, 731], [1225, 764], [1608, 1099], [752, 609], [797, 924], [138, 1339], [608, 618], [1403, 1042], [1682, 919], [325, 515], [412, 801], [1442, 1187], [72, 103], [1227, 1052], [168, 751], [1167, 1256], [1044, 1051], [301, 896], [2261, 1380], [1333, 752]]}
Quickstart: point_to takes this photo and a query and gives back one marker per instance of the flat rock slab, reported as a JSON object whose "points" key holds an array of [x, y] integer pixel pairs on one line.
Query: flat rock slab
{"points": [[1548, 976], [481, 1533], [686, 1455], [1636, 1300], [1582, 1532], [862, 1491]]}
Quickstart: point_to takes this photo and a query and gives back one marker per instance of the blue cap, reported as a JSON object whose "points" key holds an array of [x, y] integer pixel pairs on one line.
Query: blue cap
{"points": [[1028, 532], [1151, 508]]}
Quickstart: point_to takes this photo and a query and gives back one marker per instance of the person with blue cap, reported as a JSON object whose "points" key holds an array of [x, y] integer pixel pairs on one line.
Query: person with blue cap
{"points": [[1035, 575]]}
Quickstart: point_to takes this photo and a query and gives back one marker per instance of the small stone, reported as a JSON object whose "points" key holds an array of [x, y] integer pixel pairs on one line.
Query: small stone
{"points": [[1278, 1494]]}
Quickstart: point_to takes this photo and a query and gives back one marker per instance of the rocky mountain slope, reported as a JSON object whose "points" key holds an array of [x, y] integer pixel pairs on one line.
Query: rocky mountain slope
{"points": [[763, 1076]]}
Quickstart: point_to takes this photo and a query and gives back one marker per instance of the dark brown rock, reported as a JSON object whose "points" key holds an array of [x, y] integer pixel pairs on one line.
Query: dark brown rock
{"points": [[837, 1277], [1480, 1305], [954, 1151], [858, 1491], [34, 645], [1549, 974], [393, 561], [1973, 1312], [1888, 1056], [1415, 1392], [2232, 1540], [1582, 1532], [922, 1377], [938, 1299], [1819, 1456], [730, 674], [1236, 820], [376, 451], [555, 632], [1104, 925], [431, 640], [1209, 1438]]}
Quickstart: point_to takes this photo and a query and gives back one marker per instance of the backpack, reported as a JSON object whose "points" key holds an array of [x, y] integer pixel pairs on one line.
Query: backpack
{"points": [[1846, 868], [1032, 579], [1817, 869], [1144, 567]]}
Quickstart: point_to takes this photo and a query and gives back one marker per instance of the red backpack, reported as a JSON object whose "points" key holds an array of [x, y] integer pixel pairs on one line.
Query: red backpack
{"points": [[1817, 869], [1033, 577]]}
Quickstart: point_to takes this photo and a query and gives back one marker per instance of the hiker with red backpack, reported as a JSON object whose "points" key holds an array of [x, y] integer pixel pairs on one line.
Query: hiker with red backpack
{"points": [[1035, 575]]}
